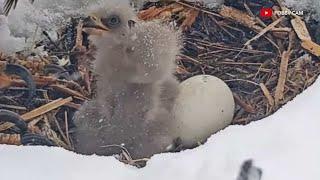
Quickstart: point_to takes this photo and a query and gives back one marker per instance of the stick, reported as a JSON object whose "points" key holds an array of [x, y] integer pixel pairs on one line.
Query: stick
{"points": [[39, 111]]}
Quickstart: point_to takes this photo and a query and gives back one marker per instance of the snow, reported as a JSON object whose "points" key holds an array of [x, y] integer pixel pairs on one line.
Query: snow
{"points": [[284, 145], [46, 15], [27, 21], [210, 3], [8, 43], [305, 5]]}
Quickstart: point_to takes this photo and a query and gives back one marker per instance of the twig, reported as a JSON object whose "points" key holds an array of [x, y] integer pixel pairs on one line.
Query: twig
{"points": [[67, 128], [267, 94], [265, 30], [67, 91], [35, 121], [61, 132], [199, 9], [240, 17], [39, 111], [282, 77], [243, 80], [13, 107], [245, 106]]}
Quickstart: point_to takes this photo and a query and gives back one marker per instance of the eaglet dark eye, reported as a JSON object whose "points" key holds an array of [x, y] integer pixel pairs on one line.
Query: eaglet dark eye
{"points": [[113, 21]]}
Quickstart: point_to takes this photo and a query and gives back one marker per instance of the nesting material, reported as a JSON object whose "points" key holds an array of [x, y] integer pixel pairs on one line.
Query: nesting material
{"points": [[204, 106]]}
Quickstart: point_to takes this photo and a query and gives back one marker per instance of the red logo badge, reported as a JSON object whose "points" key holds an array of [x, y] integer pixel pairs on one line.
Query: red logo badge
{"points": [[266, 12]]}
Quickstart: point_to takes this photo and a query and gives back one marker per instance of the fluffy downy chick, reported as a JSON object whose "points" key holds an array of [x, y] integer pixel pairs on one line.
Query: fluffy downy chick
{"points": [[147, 49], [136, 87]]}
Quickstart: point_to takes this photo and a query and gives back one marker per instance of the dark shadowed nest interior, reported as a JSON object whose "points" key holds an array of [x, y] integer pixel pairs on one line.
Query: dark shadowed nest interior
{"points": [[265, 61]]}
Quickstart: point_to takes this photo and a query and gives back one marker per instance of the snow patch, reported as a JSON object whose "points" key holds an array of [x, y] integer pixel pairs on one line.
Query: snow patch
{"points": [[46, 15], [9, 44], [305, 5]]}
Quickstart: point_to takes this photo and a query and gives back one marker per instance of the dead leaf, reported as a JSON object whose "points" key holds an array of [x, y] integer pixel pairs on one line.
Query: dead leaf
{"points": [[191, 16]]}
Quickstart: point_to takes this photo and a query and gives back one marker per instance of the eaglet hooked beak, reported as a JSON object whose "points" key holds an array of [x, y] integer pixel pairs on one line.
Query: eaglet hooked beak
{"points": [[93, 26]]}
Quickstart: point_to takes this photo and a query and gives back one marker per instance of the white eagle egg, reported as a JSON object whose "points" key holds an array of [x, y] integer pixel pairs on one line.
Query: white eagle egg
{"points": [[204, 106]]}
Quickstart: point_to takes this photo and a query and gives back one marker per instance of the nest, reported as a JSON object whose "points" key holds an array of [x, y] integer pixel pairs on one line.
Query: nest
{"points": [[265, 62]]}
